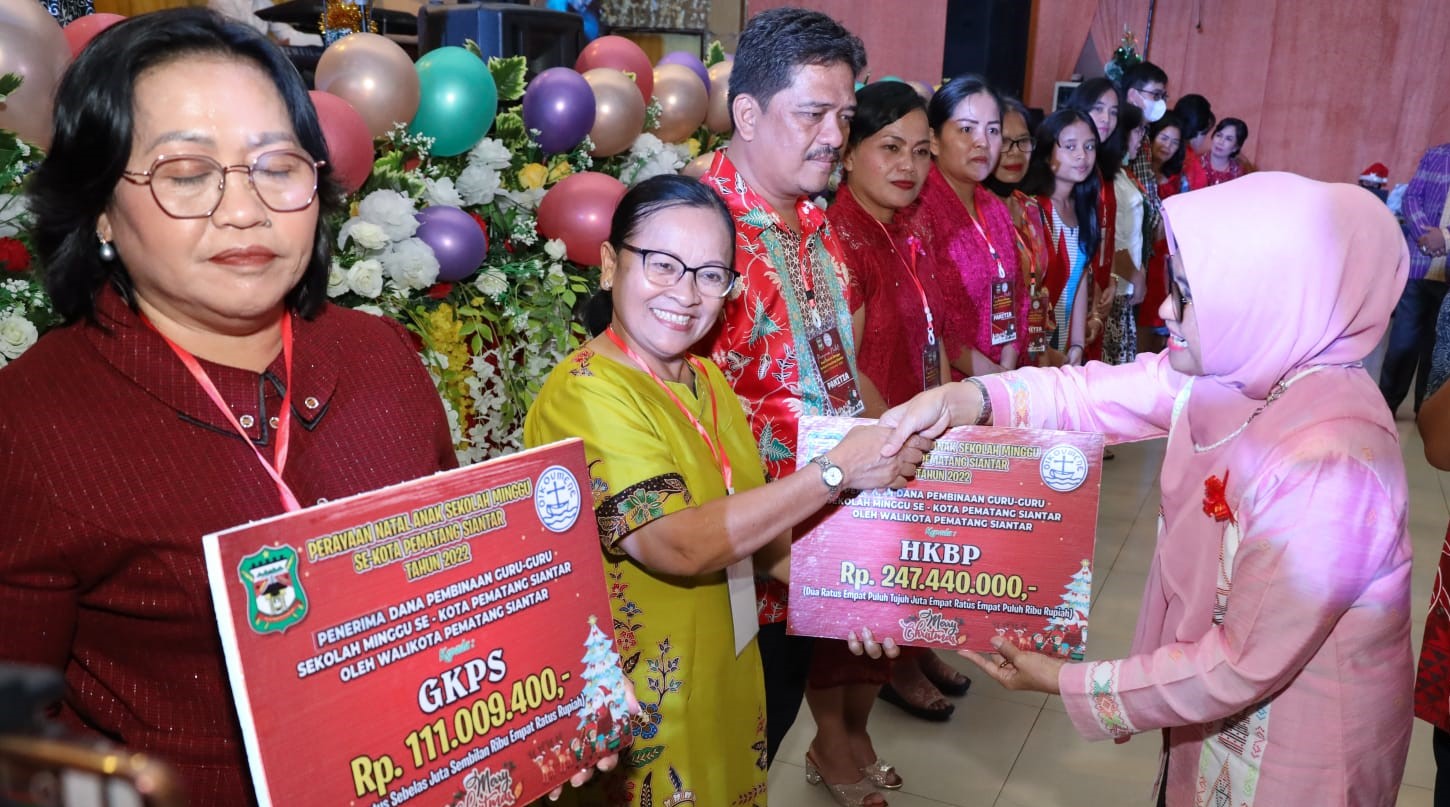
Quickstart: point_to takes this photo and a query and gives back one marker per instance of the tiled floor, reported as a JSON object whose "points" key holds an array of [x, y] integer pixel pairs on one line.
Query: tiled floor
{"points": [[1019, 750]]}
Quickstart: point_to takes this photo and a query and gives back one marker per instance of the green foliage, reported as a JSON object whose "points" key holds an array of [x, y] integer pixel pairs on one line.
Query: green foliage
{"points": [[508, 75], [715, 55]]}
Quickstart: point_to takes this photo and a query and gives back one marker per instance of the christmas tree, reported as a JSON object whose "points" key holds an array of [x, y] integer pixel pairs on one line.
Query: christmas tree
{"points": [[604, 686], [1075, 600]]}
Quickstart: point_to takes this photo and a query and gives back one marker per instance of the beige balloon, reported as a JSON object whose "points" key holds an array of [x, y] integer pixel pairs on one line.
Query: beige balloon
{"points": [[618, 111], [697, 167], [33, 46], [683, 102], [718, 117], [375, 75]]}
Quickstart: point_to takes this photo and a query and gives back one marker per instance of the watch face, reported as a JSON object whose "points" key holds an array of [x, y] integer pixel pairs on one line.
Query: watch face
{"points": [[833, 476]]}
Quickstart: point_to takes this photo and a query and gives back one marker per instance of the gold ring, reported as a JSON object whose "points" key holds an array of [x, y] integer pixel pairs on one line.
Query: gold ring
{"points": [[1004, 665]]}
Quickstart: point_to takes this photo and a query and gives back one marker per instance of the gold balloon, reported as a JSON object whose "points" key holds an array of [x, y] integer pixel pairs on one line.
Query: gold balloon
{"points": [[697, 167], [683, 102], [618, 111], [718, 118], [375, 75], [32, 45]]}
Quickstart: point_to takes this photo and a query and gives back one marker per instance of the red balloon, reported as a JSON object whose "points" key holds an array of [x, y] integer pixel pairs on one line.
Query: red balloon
{"points": [[578, 211], [82, 30], [620, 54], [349, 145]]}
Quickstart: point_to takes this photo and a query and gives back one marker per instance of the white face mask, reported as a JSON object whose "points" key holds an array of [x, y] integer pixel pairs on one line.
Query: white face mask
{"points": [[1155, 110]]}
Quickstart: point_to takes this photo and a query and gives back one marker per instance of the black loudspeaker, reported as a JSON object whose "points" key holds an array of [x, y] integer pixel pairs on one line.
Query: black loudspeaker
{"points": [[989, 37]]}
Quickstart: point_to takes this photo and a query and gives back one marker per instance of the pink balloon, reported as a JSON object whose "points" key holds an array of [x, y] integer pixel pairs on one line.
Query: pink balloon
{"points": [[349, 146], [82, 30], [620, 54], [578, 211], [32, 45], [375, 75]]}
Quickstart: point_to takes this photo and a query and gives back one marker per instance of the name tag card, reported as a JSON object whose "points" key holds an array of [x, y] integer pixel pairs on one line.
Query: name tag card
{"points": [[447, 640], [993, 538]]}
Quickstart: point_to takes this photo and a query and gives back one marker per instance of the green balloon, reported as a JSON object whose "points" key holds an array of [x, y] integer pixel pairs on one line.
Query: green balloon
{"points": [[457, 100]]}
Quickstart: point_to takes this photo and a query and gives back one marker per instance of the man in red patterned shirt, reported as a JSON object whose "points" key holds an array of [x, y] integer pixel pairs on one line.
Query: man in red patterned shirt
{"points": [[785, 341]]}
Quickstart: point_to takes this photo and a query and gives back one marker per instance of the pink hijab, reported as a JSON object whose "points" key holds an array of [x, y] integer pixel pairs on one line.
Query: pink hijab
{"points": [[1285, 273]]}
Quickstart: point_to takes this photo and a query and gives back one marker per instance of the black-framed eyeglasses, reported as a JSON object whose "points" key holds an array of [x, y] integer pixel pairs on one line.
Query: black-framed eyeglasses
{"points": [[1178, 297], [665, 269], [1022, 144], [190, 186], [1156, 95]]}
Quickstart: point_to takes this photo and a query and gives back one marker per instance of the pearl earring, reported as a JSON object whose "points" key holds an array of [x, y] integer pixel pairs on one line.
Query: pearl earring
{"points": [[106, 250]]}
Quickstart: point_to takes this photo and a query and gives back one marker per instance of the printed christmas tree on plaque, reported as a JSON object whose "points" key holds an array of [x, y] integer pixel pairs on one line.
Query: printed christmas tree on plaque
{"points": [[1073, 625], [606, 702]]}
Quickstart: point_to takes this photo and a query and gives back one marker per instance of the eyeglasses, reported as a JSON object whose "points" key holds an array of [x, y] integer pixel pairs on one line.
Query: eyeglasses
{"points": [[664, 269], [1156, 95], [1178, 297], [1022, 144], [191, 186]]}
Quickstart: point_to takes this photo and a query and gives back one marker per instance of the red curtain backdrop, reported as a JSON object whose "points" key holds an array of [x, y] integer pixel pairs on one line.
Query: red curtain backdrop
{"points": [[1326, 87], [905, 45]]}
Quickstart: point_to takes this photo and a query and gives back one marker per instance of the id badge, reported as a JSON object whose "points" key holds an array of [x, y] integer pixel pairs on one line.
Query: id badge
{"points": [[841, 391], [930, 365], [1037, 326], [1004, 317]]}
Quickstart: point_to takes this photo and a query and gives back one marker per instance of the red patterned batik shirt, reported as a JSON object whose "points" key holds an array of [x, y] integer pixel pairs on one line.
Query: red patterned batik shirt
{"points": [[763, 343]]}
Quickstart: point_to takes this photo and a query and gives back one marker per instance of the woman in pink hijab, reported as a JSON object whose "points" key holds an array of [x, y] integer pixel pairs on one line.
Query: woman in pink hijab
{"points": [[1273, 646]]}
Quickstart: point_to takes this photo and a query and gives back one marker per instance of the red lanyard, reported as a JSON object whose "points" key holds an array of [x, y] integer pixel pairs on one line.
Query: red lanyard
{"points": [[913, 245], [717, 448], [284, 420], [1001, 269]]}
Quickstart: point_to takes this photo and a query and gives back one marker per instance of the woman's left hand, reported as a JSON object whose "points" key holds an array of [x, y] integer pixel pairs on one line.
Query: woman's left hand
{"points": [[605, 764], [1018, 669]]}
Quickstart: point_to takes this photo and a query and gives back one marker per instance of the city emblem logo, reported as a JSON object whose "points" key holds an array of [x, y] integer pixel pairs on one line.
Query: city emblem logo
{"points": [[277, 600], [557, 499], [1064, 468]]}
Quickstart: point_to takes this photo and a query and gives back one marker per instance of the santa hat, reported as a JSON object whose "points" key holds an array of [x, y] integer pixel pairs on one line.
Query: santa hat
{"points": [[1376, 173]]}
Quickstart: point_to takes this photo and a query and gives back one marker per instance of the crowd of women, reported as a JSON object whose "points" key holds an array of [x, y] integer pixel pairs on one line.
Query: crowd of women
{"points": [[963, 245]]}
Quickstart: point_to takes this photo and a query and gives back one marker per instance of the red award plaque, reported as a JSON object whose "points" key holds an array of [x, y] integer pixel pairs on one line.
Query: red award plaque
{"points": [[993, 538], [446, 640]]}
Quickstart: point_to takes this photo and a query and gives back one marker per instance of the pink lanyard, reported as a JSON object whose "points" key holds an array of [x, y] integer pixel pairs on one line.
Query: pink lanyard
{"points": [[717, 449], [284, 421], [913, 245]]}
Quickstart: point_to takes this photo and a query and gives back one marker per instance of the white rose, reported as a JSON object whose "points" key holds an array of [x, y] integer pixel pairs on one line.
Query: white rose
{"points": [[556, 249], [441, 192], [364, 233], [12, 210], [492, 283], [391, 211], [411, 264], [16, 334], [490, 153], [370, 309], [365, 278], [645, 145], [527, 199], [478, 185], [336, 280]]}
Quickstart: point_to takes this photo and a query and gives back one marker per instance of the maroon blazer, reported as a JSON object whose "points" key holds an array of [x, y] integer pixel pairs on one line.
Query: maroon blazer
{"points": [[115, 463]]}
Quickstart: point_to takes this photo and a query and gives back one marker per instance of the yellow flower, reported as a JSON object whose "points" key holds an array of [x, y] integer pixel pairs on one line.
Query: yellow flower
{"points": [[442, 332], [533, 176], [559, 170], [694, 145]]}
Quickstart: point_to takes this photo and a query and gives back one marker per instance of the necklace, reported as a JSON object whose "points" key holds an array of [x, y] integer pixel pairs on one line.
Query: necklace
{"points": [[1274, 394]]}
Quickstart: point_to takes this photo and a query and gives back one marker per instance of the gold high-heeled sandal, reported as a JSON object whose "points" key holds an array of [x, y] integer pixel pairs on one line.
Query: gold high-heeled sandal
{"points": [[854, 794], [880, 773]]}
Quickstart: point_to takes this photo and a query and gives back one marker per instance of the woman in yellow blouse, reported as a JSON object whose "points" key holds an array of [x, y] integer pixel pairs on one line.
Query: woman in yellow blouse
{"points": [[667, 442]]}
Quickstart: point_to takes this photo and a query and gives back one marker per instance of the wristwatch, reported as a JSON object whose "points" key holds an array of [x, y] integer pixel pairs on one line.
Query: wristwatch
{"points": [[831, 473]]}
